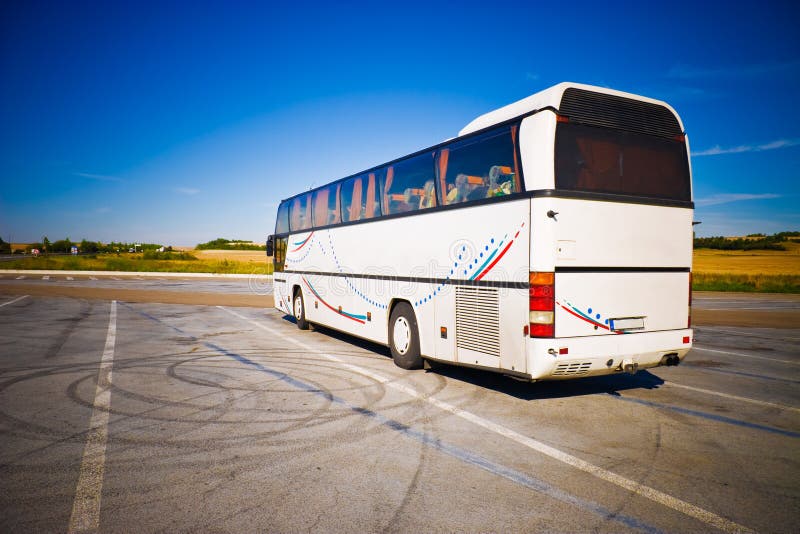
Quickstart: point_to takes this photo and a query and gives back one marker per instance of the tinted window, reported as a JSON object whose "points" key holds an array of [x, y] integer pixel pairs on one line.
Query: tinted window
{"points": [[300, 213], [326, 205], [361, 198], [479, 167], [282, 224], [603, 160], [409, 185]]}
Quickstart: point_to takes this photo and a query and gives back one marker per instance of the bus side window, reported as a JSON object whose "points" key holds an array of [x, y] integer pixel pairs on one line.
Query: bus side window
{"points": [[352, 191], [299, 213], [404, 186], [372, 201], [360, 198], [484, 166], [282, 224], [326, 205]]}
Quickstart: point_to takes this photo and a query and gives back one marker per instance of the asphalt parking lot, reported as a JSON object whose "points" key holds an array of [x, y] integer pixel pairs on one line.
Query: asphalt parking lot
{"points": [[147, 416]]}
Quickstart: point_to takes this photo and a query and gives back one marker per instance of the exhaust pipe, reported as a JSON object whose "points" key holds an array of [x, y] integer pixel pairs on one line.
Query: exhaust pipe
{"points": [[670, 359]]}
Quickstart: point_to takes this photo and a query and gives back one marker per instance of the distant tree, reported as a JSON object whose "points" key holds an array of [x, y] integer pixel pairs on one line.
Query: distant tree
{"points": [[724, 243], [62, 245], [5, 248], [89, 247], [229, 244], [45, 245]]}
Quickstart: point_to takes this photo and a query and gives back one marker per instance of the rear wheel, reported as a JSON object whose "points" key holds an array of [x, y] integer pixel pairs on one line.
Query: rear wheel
{"points": [[299, 309], [404, 337]]}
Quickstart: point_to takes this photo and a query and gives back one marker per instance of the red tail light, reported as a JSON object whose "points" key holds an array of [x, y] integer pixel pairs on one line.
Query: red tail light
{"points": [[541, 304]]}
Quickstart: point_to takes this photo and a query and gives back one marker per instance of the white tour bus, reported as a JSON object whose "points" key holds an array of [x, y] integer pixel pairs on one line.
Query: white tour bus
{"points": [[551, 239]]}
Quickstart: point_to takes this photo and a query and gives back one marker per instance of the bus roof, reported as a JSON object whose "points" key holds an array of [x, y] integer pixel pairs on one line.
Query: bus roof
{"points": [[548, 98]]}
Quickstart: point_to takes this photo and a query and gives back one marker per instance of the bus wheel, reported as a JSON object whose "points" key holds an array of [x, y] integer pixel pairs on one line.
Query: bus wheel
{"points": [[404, 337], [300, 310]]}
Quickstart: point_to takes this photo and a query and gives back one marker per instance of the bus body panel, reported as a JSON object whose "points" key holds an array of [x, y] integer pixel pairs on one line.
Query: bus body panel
{"points": [[600, 304], [351, 275], [615, 261], [614, 234], [590, 356], [536, 145]]}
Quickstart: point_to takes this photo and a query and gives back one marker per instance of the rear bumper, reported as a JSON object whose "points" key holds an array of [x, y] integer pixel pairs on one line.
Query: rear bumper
{"points": [[602, 355]]}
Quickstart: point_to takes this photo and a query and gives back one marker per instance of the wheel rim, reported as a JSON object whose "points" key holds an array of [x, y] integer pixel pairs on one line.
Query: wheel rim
{"points": [[298, 307], [401, 337]]}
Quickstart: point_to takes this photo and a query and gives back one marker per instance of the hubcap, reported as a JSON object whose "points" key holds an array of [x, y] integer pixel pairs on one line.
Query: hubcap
{"points": [[402, 335], [298, 307]]}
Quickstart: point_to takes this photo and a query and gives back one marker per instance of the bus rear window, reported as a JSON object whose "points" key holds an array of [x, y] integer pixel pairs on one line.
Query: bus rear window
{"points": [[603, 160]]}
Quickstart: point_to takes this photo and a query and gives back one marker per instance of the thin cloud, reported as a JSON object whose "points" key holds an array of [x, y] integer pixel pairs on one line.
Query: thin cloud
{"points": [[188, 191], [101, 177], [717, 150], [725, 198], [531, 76], [738, 71]]}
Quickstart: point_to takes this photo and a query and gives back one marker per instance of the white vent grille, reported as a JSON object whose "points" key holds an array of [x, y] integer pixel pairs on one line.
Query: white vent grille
{"points": [[478, 319], [572, 369]]}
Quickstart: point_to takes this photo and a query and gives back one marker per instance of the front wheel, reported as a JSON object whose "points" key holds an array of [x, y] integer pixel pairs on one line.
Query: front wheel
{"points": [[300, 311], [404, 337]]}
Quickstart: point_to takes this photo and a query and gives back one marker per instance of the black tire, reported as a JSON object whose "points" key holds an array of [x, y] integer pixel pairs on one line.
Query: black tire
{"points": [[403, 322], [299, 310]]}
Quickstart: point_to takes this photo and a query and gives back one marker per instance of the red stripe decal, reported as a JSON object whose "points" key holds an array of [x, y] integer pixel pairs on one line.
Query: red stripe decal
{"points": [[587, 320], [489, 268], [303, 243], [329, 306]]}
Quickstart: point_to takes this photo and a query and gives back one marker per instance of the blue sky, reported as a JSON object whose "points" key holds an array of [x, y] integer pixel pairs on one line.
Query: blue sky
{"points": [[181, 122]]}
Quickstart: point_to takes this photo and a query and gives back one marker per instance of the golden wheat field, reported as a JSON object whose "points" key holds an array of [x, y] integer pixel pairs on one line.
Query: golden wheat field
{"points": [[750, 262], [244, 256]]}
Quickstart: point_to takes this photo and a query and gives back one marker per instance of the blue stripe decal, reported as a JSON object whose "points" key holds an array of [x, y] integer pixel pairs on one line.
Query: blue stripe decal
{"points": [[354, 316], [482, 267], [426, 439], [711, 416]]}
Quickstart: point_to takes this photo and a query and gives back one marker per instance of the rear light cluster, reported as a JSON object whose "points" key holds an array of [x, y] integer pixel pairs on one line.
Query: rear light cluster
{"points": [[541, 315]]}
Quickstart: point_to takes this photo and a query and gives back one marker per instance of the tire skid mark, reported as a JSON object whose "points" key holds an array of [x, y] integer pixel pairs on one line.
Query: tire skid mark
{"points": [[638, 488], [316, 417], [709, 416], [458, 453]]}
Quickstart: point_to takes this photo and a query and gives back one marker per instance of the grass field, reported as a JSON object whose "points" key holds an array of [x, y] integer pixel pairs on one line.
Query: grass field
{"points": [[135, 262], [714, 270]]}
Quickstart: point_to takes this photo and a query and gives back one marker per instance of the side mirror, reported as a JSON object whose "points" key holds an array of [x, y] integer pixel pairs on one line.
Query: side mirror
{"points": [[270, 246]]}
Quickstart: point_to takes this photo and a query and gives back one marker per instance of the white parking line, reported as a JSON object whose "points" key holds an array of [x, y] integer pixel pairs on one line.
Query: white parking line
{"points": [[46, 277], [13, 301], [733, 397], [86, 508], [791, 362], [21, 278], [92, 278], [70, 278], [637, 488], [114, 278]]}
